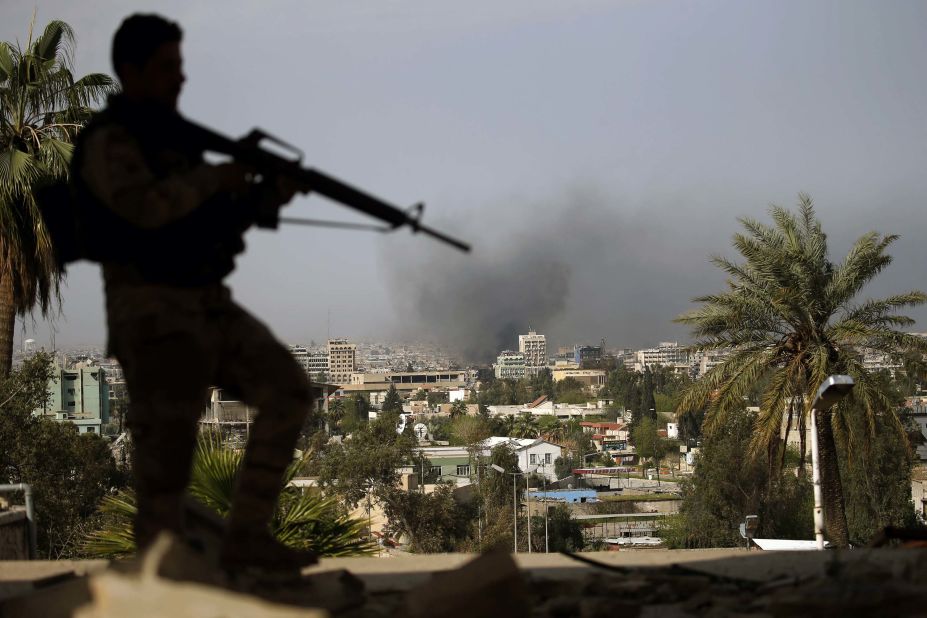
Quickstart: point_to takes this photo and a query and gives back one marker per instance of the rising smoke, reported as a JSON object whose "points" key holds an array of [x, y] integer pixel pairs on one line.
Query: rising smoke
{"points": [[588, 266], [576, 269]]}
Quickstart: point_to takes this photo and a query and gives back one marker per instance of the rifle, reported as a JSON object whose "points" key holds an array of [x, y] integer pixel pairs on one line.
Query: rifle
{"points": [[248, 151]]}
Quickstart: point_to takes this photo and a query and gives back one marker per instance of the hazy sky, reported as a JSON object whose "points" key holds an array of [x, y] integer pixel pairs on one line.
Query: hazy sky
{"points": [[594, 152]]}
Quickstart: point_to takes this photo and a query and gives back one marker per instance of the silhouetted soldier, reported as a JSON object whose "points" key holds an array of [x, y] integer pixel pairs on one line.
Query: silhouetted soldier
{"points": [[174, 224]]}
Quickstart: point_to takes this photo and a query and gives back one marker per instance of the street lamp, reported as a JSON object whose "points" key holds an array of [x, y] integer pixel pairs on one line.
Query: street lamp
{"points": [[501, 470], [832, 390]]}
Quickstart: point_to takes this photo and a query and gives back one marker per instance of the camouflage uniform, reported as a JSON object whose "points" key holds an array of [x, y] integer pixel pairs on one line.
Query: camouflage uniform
{"points": [[178, 332]]}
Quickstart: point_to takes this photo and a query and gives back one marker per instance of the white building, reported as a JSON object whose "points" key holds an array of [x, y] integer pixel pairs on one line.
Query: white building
{"points": [[317, 364], [534, 349], [666, 354], [535, 456], [703, 362], [510, 365], [548, 408], [342, 361], [301, 354]]}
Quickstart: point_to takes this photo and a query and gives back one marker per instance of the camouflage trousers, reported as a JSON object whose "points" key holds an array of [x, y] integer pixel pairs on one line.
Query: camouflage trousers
{"points": [[173, 344]]}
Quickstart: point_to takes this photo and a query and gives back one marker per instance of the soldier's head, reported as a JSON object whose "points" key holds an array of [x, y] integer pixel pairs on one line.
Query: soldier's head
{"points": [[147, 60]]}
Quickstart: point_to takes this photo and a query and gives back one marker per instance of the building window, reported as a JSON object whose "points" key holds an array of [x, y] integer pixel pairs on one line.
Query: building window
{"points": [[434, 471], [547, 458], [534, 458], [91, 430], [463, 470]]}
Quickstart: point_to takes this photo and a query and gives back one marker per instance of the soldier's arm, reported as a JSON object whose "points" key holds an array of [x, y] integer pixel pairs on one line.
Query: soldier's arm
{"points": [[117, 173]]}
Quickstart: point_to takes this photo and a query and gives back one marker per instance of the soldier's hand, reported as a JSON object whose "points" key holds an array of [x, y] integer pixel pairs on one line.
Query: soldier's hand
{"points": [[286, 188], [235, 177]]}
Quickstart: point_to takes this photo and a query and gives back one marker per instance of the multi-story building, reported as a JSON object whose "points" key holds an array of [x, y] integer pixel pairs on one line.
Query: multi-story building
{"points": [[342, 361], [376, 385], [534, 349], [703, 362], [317, 364], [116, 381], [587, 353], [666, 354], [80, 396], [592, 379], [301, 354], [510, 365]]}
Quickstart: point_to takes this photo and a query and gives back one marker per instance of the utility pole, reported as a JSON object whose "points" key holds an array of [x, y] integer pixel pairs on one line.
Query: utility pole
{"points": [[546, 542], [528, 496]]}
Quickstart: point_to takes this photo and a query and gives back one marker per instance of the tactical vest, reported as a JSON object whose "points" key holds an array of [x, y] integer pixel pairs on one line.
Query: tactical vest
{"points": [[197, 249]]}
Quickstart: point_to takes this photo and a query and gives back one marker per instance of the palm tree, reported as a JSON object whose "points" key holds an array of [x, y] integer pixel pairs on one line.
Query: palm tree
{"points": [[42, 106], [525, 426], [304, 520], [458, 409], [505, 424], [335, 415], [790, 318]]}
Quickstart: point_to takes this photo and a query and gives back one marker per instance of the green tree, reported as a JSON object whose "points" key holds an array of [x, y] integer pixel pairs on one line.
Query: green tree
{"points": [[392, 403], [791, 318], [877, 485], [436, 398], [570, 390], [550, 427], [440, 428], [648, 443], [458, 409], [502, 425], [525, 426], [432, 522], [42, 107], [335, 416], [69, 472], [542, 384], [356, 412], [564, 466], [367, 464], [472, 432], [563, 532], [497, 500], [648, 405], [729, 484]]}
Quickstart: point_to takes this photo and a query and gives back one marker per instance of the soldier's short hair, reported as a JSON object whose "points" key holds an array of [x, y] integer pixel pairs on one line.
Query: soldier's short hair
{"points": [[139, 37]]}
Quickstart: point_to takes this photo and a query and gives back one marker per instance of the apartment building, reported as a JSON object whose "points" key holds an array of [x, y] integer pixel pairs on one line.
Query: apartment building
{"points": [[534, 349], [510, 365], [666, 354], [342, 361], [80, 396]]}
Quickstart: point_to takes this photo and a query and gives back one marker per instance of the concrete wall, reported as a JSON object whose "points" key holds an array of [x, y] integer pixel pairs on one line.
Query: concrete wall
{"points": [[14, 534]]}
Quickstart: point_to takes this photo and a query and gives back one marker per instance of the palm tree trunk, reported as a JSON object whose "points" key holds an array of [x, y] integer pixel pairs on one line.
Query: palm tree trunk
{"points": [[7, 325], [835, 518]]}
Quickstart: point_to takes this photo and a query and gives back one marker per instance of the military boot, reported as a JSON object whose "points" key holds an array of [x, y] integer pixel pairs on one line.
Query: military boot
{"points": [[261, 553]]}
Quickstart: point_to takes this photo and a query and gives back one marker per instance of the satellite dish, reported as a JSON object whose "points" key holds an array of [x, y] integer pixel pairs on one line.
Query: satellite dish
{"points": [[420, 430]]}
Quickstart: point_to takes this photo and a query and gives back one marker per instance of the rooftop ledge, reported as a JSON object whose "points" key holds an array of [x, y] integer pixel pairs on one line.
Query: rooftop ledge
{"points": [[713, 582]]}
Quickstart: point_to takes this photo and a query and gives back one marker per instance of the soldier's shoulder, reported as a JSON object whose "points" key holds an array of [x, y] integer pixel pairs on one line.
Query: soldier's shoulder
{"points": [[104, 131]]}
